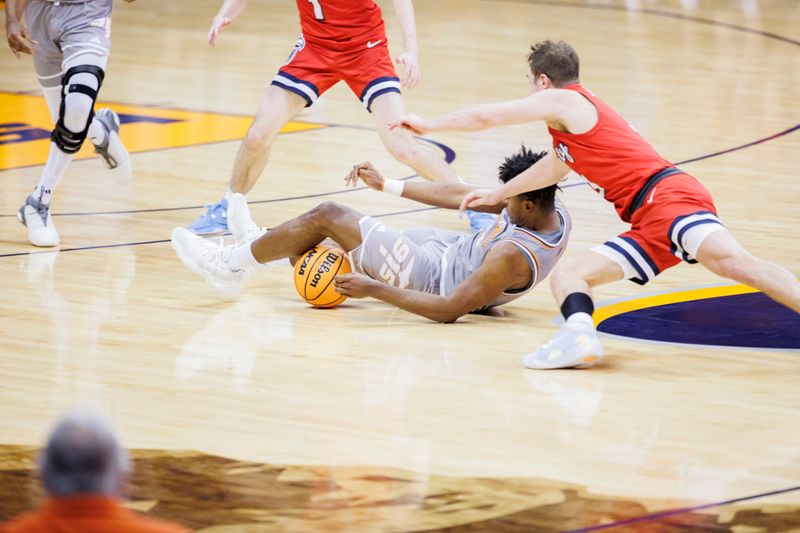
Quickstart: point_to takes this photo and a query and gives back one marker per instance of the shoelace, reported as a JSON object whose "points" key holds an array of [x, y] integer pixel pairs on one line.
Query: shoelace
{"points": [[214, 255]]}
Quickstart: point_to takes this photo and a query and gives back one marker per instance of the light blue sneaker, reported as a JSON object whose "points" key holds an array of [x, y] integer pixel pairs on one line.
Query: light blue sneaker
{"points": [[479, 221], [215, 220]]}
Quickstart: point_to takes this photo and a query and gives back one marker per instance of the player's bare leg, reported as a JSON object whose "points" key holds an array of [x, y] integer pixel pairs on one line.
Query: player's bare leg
{"points": [[225, 267], [277, 107], [576, 343], [723, 255], [296, 236], [402, 146]]}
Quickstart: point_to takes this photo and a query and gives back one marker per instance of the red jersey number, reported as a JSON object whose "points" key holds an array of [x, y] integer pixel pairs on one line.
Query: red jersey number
{"points": [[318, 14]]}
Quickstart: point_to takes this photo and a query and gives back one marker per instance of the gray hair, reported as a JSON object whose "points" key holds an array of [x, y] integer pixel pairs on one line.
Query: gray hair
{"points": [[83, 455]]}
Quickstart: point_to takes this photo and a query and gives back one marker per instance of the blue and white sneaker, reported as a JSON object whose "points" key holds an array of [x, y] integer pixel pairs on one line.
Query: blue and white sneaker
{"points": [[479, 221], [215, 220]]}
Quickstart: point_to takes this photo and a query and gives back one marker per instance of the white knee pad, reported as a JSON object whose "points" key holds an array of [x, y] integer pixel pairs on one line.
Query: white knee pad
{"points": [[80, 86]]}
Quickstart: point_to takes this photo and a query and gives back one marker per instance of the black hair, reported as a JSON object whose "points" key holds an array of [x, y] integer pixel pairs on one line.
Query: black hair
{"points": [[520, 162]]}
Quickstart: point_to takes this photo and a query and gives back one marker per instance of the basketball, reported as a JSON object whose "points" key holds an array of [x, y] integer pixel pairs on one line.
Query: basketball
{"points": [[314, 273]]}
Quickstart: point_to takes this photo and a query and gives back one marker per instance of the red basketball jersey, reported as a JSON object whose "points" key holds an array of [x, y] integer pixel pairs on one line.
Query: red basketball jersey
{"points": [[339, 20], [612, 156]]}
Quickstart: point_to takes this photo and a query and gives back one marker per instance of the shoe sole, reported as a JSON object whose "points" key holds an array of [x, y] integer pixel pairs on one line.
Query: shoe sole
{"points": [[589, 358]]}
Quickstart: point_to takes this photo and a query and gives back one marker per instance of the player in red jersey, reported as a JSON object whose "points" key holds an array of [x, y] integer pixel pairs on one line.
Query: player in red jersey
{"points": [[340, 40], [672, 215]]}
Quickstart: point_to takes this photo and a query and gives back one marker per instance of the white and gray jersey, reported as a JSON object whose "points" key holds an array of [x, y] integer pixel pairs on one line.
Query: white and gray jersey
{"points": [[437, 261]]}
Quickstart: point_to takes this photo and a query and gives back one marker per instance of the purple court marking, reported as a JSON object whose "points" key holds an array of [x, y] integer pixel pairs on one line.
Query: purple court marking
{"points": [[681, 510], [161, 241]]}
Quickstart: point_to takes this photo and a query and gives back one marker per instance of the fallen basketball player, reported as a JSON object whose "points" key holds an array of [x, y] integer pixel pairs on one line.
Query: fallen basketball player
{"points": [[439, 274]]}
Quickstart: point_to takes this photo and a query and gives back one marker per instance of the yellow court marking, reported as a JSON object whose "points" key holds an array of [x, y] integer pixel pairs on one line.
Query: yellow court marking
{"points": [[25, 126], [634, 304]]}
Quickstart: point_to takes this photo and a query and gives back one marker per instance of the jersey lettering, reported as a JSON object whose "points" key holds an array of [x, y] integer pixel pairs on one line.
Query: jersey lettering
{"points": [[562, 151], [318, 14], [392, 270]]}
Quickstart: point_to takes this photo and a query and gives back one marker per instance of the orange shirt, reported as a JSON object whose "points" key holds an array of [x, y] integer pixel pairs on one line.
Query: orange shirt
{"points": [[87, 513]]}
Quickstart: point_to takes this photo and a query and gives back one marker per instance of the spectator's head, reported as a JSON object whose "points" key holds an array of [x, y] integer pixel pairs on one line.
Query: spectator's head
{"points": [[82, 456]]}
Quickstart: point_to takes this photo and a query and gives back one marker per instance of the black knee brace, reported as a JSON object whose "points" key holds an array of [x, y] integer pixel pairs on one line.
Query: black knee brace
{"points": [[68, 141]]}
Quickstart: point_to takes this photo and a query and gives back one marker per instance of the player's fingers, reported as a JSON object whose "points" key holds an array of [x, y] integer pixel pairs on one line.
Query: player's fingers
{"points": [[466, 202], [413, 78]]}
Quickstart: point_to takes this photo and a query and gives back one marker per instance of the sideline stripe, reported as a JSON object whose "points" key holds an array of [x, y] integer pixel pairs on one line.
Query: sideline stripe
{"points": [[161, 241], [682, 510]]}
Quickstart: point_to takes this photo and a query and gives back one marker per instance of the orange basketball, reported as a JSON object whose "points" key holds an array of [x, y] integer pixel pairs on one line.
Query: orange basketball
{"points": [[314, 273]]}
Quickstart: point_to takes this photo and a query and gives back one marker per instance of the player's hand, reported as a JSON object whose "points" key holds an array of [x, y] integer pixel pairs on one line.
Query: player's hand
{"points": [[130, 1], [412, 123], [219, 23], [410, 77], [481, 197], [367, 173], [354, 285], [19, 39]]}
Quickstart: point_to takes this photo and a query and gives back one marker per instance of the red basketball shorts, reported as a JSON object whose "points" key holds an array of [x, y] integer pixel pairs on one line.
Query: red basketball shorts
{"points": [[363, 63], [673, 222]]}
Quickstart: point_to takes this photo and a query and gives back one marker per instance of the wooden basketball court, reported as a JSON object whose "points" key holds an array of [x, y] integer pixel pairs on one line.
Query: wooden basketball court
{"points": [[262, 414]]}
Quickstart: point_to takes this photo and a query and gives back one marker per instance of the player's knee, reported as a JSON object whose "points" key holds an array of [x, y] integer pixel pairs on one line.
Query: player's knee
{"points": [[80, 86], [561, 275], [77, 109], [326, 213], [258, 138], [405, 152]]}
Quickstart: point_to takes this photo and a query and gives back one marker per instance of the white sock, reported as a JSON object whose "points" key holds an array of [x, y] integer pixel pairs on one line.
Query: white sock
{"points": [[52, 95], [228, 194], [52, 173], [580, 319], [97, 133], [242, 257]]}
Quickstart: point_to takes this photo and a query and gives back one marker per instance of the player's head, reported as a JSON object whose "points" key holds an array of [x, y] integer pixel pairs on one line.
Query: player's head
{"points": [[532, 203], [552, 65]]}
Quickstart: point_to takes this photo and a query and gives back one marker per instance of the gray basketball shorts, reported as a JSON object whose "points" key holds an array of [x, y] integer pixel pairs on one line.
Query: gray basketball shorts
{"points": [[68, 34], [405, 259]]}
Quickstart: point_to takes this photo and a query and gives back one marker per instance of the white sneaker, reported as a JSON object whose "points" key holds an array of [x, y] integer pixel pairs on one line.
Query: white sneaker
{"points": [[208, 259], [114, 154], [240, 222], [36, 217], [574, 346]]}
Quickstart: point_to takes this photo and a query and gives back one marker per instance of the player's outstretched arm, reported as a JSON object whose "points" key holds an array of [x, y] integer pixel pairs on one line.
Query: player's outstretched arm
{"points": [[440, 194], [227, 13], [409, 58], [503, 268], [545, 172], [545, 105], [19, 39]]}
